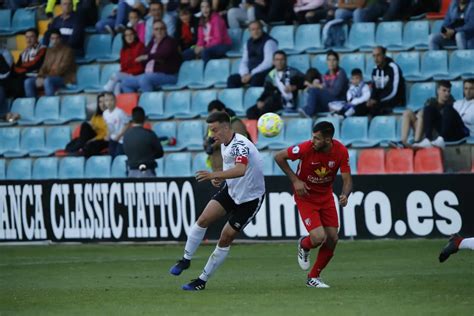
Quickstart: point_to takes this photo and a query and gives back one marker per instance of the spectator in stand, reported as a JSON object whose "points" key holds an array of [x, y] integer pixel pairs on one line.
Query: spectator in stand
{"points": [[242, 12], [91, 140], [186, 29], [312, 77], [419, 7], [70, 26], [58, 69], [28, 64], [213, 150], [135, 22], [157, 13], [397, 10], [195, 5], [117, 124], [115, 23], [333, 87], [441, 122], [161, 60], [411, 121], [281, 89], [306, 9], [357, 94], [361, 10], [388, 86], [141, 146], [213, 40], [129, 66], [257, 57], [457, 28], [465, 107], [86, 9], [6, 62]]}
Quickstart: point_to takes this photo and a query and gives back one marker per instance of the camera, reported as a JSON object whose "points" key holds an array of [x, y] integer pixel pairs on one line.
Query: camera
{"points": [[208, 147]]}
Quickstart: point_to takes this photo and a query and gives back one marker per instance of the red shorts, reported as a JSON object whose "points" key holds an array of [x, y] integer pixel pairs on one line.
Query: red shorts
{"points": [[314, 214]]}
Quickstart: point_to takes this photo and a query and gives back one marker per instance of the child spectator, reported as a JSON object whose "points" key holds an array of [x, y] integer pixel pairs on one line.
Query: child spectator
{"points": [[186, 29], [117, 123], [135, 22], [358, 93]]}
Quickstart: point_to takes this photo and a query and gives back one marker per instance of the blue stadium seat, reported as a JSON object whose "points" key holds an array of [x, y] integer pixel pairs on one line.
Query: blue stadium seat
{"points": [[57, 138], [233, 99], [107, 71], [96, 46], [200, 162], [152, 103], [434, 63], [389, 35], [319, 62], [2, 166], [178, 105], [382, 130], [98, 167], [353, 160], [285, 36], [47, 110], [409, 62], [32, 138], [178, 165], [354, 129], [416, 34], [308, 39], [419, 93], [10, 139], [251, 96], [369, 66], [201, 100], [277, 142], [436, 26], [5, 20], [73, 108], [234, 69], [45, 168], [160, 167], [167, 129], [216, 73], [298, 130], [88, 78], [119, 167], [351, 61], [461, 64], [277, 170], [26, 108], [336, 121], [19, 169], [300, 62], [191, 72], [23, 19], [191, 134], [236, 37], [457, 90], [71, 168], [114, 54], [107, 10], [361, 37], [267, 158]]}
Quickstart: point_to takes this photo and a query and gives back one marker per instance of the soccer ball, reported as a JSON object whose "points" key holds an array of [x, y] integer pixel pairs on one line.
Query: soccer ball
{"points": [[270, 124]]}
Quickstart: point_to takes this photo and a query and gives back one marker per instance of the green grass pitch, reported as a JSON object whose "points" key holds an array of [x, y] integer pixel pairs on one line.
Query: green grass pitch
{"points": [[384, 277]]}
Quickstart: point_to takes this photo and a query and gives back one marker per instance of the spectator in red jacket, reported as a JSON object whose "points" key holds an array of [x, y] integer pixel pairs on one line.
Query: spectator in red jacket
{"points": [[132, 48], [213, 40]]}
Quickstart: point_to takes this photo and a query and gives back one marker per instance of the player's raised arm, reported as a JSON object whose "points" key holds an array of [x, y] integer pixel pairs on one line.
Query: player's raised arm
{"points": [[281, 157]]}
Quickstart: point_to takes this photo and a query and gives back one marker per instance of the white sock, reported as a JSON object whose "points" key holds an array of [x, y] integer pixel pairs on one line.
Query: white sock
{"points": [[467, 243], [214, 262], [194, 240]]}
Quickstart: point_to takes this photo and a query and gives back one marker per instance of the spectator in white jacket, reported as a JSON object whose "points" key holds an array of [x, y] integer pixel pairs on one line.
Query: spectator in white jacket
{"points": [[358, 93], [465, 107]]}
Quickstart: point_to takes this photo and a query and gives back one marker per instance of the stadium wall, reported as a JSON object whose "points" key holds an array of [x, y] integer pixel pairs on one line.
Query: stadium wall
{"points": [[391, 206]]}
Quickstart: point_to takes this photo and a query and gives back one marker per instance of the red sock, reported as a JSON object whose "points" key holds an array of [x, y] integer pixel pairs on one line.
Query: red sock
{"points": [[457, 241], [324, 256], [306, 243]]}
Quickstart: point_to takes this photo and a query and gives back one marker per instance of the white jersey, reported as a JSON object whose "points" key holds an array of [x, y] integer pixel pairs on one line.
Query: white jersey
{"points": [[252, 184]]}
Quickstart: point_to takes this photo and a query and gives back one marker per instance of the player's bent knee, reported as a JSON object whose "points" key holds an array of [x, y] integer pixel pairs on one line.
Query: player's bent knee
{"points": [[318, 239], [203, 222]]}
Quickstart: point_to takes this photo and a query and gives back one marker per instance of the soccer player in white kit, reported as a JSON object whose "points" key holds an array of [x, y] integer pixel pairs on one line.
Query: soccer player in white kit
{"points": [[455, 243], [240, 197]]}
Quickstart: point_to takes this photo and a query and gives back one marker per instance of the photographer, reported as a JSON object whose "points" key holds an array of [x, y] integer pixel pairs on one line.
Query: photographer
{"points": [[214, 160]]}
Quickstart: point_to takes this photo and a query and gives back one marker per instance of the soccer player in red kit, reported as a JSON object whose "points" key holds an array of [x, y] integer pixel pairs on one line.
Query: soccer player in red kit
{"points": [[320, 158]]}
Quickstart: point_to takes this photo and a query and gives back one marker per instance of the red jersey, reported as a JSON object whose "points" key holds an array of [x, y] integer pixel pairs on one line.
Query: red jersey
{"points": [[319, 169]]}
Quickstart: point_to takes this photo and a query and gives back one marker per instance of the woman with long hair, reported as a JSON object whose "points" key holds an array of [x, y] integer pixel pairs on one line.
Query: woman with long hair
{"points": [[129, 66]]}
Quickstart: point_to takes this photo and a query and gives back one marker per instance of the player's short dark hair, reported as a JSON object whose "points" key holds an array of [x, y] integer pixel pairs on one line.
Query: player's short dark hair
{"points": [[444, 83], [382, 49], [326, 128], [108, 93], [157, 2], [55, 31], [256, 22], [332, 53], [470, 80], [220, 117], [279, 52], [216, 105], [356, 72], [33, 30], [138, 115]]}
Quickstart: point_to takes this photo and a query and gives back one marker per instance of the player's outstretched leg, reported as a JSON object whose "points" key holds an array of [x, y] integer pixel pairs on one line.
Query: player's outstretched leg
{"points": [[326, 252], [451, 248], [304, 247]]}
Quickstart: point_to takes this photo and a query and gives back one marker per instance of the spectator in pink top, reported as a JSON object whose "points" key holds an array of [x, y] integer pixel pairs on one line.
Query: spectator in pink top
{"points": [[213, 39], [135, 21]]}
